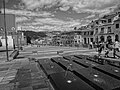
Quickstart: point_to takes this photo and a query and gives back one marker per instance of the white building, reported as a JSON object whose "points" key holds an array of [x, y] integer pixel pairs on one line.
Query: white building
{"points": [[10, 24]]}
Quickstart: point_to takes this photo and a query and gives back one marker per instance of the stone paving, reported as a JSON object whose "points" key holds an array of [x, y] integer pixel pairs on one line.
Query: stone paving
{"points": [[24, 73]]}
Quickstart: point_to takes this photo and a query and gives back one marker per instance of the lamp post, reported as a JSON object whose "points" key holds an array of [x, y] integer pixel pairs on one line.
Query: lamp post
{"points": [[13, 35], [5, 31]]}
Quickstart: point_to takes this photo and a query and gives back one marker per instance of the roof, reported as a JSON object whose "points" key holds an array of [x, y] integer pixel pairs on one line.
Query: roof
{"points": [[108, 16], [117, 20]]}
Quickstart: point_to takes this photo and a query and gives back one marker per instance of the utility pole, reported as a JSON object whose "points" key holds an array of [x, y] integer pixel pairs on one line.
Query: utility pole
{"points": [[5, 31]]}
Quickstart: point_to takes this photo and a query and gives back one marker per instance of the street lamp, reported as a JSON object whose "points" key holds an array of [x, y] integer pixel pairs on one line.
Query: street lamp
{"points": [[13, 35], [5, 31]]}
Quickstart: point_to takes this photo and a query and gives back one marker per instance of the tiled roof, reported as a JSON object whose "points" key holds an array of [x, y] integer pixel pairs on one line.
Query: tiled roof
{"points": [[117, 20], [108, 16]]}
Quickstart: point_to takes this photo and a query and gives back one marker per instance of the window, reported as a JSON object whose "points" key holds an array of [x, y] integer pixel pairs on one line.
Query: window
{"points": [[109, 29], [102, 30], [84, 33], [97, 22], [88, 33], [75, 36], [96, 31], [91, 33], [91, 39], [119, 15], [109, 21], [117, 25], [102, 21]]}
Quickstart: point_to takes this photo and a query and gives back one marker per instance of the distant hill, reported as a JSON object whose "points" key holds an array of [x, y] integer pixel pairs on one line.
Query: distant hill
{"points": [[34, 35]]}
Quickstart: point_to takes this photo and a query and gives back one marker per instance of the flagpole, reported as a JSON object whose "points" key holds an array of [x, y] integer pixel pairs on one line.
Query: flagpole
{"points": [[5, 31]]}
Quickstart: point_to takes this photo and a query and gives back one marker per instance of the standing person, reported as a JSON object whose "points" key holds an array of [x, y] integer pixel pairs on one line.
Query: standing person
{"points": [[117, 46], [109, 47], [91, 45], [100, 48], [107, 50]]}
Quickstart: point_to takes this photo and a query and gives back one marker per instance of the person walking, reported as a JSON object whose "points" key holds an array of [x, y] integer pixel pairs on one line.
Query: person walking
{"points": [[117, 46], [91, 45], [116, 49], [100, 48]]}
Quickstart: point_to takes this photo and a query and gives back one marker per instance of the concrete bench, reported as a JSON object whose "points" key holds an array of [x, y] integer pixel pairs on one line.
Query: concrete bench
{"points": [[14, 54], [113, 62]]}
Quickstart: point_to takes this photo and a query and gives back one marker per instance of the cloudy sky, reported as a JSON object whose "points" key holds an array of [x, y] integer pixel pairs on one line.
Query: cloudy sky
{"points": [[48, 15]]}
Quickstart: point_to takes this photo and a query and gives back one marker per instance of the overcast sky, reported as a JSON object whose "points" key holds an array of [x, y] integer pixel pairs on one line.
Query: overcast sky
{"points": [[50, 15]]}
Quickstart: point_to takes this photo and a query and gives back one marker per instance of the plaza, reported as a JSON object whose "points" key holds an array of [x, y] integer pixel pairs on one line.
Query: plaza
{"points": [[27, 71]]}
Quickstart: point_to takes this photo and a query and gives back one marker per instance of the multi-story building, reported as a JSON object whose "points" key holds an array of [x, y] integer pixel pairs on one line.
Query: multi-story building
{"points": [[71, 38], [87, 33], [56, 40], [107, 27], [67, 39], [117, 29], [78, 38], [10, 29]]}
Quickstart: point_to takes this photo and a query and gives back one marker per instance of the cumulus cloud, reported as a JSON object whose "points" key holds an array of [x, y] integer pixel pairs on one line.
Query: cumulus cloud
{"points": [[27, 13], [52, 24], [90, 16], [65, 8], [21, 19], [58, 22], [77, 5], [32, 4], [43, 20]]}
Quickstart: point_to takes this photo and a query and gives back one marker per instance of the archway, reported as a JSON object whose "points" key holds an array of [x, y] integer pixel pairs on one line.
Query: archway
{"points": [[116, 37], [109, 39], [102, 39]]}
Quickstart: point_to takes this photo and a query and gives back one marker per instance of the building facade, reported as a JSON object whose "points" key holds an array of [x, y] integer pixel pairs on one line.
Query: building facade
{"points": [[10, 24], [107, 27], [117, 30]]}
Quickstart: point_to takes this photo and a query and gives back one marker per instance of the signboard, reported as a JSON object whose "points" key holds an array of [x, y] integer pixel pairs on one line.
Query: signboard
{"points": [[10, 22]]}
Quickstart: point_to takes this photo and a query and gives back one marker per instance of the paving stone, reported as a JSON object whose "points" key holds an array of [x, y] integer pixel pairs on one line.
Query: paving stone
{"points": [[2, 73], [40, 86], [38, 81], [26, 88], [24, 84], [9, 78], [38, 74], [7, 87], [11, 73], [6, 64], [4, 82], [3, 69], [33, 67]]}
